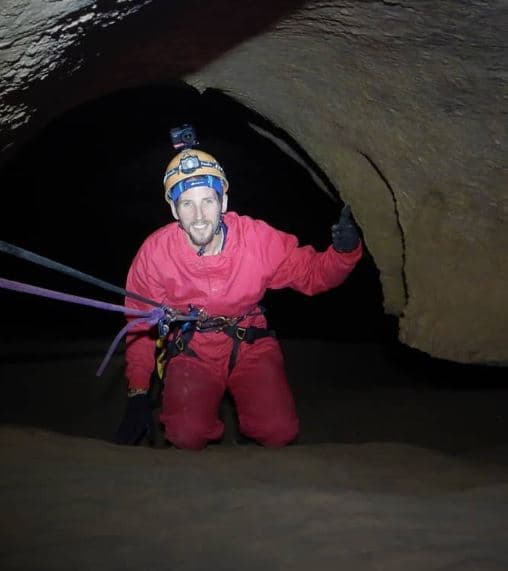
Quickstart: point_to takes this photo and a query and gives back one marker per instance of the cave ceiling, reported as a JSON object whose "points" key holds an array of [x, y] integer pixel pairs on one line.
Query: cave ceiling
{"points": [[403, 105]]}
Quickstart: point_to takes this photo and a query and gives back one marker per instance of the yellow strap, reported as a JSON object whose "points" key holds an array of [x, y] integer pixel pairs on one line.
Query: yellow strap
{"points": [[160, 361]]}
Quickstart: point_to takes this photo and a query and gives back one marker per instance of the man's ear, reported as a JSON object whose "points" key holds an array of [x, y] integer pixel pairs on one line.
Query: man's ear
{"points": [[173, 209], [224, 203]]}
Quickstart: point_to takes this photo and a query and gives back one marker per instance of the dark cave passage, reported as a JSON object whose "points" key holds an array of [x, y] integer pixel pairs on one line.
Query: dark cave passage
{"points": [[88, 190]]}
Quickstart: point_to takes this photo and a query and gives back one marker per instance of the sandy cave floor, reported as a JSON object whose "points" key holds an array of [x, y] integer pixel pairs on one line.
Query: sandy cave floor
{"points": [[393, 471]]}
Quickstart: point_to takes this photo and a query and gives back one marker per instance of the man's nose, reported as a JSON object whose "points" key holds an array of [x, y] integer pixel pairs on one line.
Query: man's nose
{"points": [[199, 213]]}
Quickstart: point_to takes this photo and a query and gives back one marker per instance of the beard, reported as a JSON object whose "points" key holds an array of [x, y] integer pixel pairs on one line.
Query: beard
{"points": [[203, 233]]}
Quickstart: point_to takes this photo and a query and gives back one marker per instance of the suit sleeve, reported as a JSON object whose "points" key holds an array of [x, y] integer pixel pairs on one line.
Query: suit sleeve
{"points": [[304, 269]]}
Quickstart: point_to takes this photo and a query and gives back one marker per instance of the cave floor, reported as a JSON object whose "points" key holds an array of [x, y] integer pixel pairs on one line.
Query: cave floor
{"points": [[395, 470]]}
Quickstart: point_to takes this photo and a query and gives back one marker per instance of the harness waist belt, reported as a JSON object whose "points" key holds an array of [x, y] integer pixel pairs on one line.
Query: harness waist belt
{"points": [[166, 350]]}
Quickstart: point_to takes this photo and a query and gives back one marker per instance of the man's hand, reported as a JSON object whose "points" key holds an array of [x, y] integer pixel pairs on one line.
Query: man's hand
{"points": [[137, 422], [345, 234]]}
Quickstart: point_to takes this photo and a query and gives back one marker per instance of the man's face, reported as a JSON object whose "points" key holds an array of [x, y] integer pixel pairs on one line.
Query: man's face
{"points": [[199, 211]]}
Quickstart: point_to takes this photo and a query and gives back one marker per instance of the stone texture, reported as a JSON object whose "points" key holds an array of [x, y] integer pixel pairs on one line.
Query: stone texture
{"points": [[403, 105], [45, 39]]}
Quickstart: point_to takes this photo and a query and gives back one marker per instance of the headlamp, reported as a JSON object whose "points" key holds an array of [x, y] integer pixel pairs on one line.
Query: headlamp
{"points": [[189, 164]]}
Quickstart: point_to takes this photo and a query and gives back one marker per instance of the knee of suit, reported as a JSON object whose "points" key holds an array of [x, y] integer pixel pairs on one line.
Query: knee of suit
{"points": [[186, 439], [189, 437], [275, 434]]}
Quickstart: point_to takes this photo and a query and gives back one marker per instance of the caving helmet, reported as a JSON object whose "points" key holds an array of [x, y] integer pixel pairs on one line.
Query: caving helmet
{"points": [[192, 168]]}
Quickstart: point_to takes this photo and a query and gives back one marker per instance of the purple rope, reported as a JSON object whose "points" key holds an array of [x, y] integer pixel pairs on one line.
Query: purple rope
{"points": [[154, 317], [25, 288], [151, 317]]}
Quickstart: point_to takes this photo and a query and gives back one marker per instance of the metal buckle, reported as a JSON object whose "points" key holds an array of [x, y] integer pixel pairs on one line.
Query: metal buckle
{"points": [[213, 323], [163, 327], [179, 344], [219, 323], [240, 333]]}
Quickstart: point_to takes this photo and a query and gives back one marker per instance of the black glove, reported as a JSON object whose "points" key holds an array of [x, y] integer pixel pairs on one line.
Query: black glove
{"points": [[137, 422], [345, 234]]}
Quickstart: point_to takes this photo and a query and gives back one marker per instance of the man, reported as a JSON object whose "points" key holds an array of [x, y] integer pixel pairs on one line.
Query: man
{"points": [[221, 264]]}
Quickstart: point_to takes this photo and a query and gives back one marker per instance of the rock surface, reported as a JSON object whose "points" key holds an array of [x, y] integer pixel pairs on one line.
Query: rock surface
{"points": [[82, 504], [403, 105]]}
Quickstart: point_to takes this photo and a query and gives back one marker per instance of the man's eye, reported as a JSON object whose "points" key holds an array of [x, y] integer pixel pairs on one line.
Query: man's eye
{"points": [[186, 203]]}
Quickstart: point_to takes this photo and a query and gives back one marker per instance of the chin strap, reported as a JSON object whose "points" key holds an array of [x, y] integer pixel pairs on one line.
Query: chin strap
{"points": [[220, 228]]}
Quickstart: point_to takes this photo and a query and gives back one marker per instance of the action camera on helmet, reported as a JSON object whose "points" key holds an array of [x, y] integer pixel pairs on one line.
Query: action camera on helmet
{"points": [[183, 137]]}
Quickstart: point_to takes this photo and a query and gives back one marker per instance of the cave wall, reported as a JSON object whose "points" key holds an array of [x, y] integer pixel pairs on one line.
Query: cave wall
{"points": [[403, 105]]}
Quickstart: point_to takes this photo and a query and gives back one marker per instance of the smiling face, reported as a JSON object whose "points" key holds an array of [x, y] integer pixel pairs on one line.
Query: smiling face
{"points": [[199, 212]]}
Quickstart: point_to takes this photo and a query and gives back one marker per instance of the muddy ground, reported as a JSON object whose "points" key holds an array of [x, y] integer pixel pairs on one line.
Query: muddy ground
{"points": [[402, 463]]}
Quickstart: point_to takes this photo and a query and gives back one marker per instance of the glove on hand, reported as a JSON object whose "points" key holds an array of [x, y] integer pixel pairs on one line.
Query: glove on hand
{"points": [[345, 235], [137, 421]]}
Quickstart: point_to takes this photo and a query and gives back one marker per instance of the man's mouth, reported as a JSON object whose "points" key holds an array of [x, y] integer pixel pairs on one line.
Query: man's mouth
{"points": [[200, 226]]}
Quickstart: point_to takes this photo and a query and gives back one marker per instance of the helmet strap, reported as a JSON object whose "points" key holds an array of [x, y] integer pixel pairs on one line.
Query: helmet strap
{"points": [[220, 224]]}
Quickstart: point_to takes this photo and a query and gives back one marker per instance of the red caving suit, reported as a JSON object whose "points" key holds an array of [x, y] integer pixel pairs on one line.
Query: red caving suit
{"points": [[255, 257]]}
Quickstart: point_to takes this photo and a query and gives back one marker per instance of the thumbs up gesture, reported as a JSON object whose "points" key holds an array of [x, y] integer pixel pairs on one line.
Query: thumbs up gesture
{"points": [[345, 234]]}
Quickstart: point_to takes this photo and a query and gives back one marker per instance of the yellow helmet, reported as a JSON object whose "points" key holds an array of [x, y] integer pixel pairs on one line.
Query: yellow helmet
{"points": [[191, 168]]}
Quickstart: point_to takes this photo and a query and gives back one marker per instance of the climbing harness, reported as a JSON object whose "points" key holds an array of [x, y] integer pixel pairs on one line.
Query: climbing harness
{"points": [[177, 340], [161, 315], [220, 323]]}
